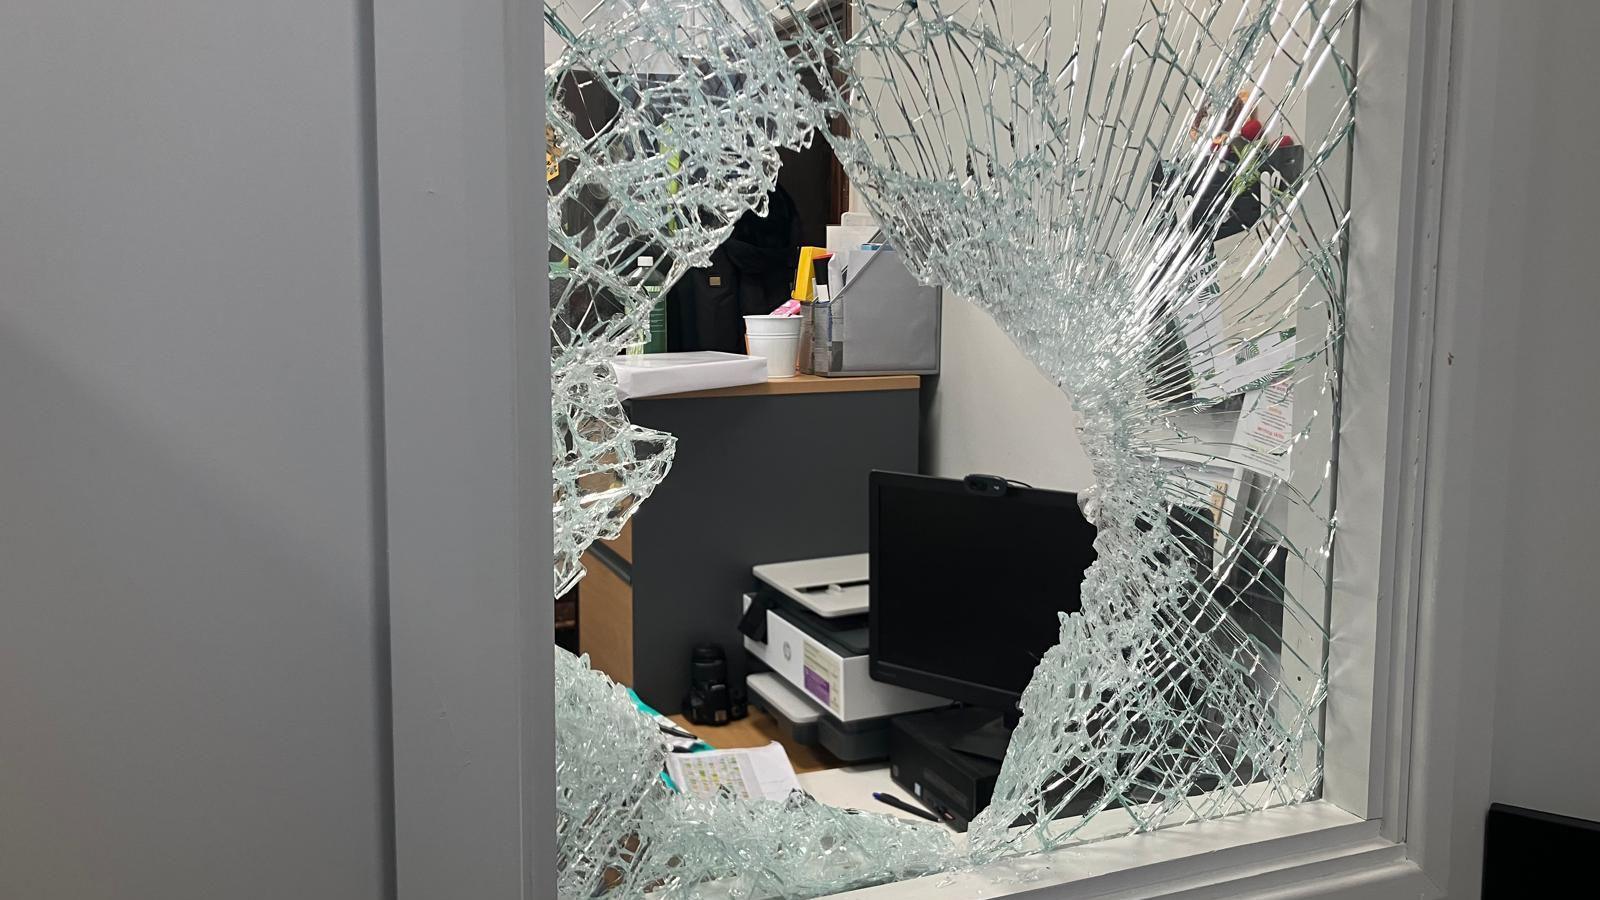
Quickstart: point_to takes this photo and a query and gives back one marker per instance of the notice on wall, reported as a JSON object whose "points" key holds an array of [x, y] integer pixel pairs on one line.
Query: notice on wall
{"points": [[1265, 434]]}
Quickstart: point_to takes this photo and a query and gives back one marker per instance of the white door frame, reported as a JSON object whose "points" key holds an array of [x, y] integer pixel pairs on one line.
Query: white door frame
{"points": [[459, 130], [459, 122]]}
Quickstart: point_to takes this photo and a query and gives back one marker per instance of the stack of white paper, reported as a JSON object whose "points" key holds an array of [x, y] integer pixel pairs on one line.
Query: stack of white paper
{"points": [[845, 241], [757, 773]]}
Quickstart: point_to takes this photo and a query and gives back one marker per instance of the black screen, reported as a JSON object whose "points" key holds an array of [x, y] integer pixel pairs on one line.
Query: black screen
{"points": [[967, 588]]}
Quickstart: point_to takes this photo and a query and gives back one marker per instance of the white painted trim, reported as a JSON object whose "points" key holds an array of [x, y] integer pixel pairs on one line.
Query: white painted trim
{"points": [[530, 297], [1427, 97], [1340, 846], [465, 328], [1253, 851], [1380, 882], [1373, 601], [1452, 725]]}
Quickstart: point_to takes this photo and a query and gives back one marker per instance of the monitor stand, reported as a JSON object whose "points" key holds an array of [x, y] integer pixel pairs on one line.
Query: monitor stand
{"points": [[989, 738]]}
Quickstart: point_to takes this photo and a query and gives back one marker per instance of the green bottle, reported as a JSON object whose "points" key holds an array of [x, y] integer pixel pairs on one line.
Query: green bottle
{"points": [[653, 282]]}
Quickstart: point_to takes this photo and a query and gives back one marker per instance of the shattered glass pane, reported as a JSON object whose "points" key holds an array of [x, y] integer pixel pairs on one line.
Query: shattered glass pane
{"points": [[621, 831], [664, 126], [1146, 195]]}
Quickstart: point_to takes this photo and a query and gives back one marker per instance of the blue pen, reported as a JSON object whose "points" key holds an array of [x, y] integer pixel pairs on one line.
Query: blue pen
{"points": [[903, 806]]}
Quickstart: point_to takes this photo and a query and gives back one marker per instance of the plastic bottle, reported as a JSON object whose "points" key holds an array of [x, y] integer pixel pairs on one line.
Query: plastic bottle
{"points": [[653, 283]]}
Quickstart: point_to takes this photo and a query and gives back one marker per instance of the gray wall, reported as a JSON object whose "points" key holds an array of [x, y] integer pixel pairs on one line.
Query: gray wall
{"points": [[992, 410], [191, 627], [1511, 627], [1539, 200]]}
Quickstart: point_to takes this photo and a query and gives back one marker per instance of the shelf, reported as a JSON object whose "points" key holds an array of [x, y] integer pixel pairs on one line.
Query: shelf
{"points": [[804, 384]]}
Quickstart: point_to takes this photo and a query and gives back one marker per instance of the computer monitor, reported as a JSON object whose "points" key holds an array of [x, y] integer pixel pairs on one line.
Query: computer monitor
{"points": [[967, 584]]}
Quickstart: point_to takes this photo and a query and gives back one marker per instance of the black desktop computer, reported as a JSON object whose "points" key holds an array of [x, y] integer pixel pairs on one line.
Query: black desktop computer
{"points": [[968, 579]]}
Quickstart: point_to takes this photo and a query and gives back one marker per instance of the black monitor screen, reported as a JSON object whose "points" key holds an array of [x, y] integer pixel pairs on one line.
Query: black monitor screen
{"points": [[967, 587]]}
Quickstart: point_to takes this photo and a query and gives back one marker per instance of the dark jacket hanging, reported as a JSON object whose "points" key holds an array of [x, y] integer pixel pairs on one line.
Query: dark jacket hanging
{"points": [[751, 274]]}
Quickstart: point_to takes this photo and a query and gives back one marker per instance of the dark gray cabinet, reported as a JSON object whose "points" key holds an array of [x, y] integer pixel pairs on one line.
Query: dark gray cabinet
{"points": [[764, 473]]}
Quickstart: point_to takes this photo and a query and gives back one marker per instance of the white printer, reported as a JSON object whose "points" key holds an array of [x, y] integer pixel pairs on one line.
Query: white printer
{"points": [[806, 622]]}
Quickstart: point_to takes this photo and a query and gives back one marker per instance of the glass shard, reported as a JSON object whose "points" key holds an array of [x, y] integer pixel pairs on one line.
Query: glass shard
{"points": [[663, 127], [622, 832]]}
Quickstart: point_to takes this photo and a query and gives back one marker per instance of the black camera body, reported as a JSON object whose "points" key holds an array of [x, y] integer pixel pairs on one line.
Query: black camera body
{"points": [[711, 700]]}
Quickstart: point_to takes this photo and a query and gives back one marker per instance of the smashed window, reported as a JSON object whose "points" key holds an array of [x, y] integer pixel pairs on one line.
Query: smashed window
{"points": [[1147, 196]]}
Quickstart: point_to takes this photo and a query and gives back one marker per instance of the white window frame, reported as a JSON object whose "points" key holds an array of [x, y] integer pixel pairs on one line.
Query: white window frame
{"points": [[458, 117]]}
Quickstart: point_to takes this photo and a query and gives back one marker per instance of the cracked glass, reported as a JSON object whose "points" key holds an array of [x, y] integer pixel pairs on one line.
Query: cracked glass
{"points": [[1147, 196]]}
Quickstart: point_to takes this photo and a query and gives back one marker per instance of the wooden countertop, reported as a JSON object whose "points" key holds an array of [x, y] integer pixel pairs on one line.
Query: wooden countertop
{"points": [[759, 730], [805, 384]]}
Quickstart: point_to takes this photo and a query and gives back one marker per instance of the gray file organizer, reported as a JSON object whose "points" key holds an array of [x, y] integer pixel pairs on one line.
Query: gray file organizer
{"points": [[883, 322]]}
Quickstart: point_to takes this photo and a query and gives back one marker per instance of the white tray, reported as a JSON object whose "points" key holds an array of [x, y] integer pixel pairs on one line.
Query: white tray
{"points": [[654, 374]]}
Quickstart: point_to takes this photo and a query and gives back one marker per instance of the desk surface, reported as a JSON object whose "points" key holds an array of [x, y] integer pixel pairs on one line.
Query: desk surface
{"points": [[824, 777], [758, 730], [851, 787], [804, 384]]}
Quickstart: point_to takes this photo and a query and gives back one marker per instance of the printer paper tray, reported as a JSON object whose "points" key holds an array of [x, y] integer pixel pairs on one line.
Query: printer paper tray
{"points": [[840, 685]]}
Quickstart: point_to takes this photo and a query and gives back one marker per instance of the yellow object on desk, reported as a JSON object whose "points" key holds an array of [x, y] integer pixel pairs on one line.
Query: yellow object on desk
{"points": [[805, 287]]}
